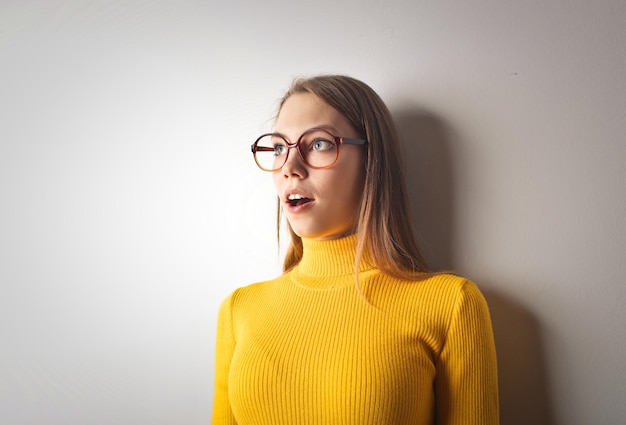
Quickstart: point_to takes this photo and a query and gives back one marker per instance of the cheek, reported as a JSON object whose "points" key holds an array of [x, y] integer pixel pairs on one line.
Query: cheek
{"points": [[357, 191], [351, 191], [357, 180]]}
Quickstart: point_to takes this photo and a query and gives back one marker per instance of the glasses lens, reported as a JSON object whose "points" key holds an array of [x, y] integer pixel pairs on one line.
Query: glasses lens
{"points": [[271, 152], [319, 148]]}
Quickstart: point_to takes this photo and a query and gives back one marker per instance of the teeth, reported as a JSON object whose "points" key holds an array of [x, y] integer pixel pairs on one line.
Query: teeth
{"points": [[294, 197]]}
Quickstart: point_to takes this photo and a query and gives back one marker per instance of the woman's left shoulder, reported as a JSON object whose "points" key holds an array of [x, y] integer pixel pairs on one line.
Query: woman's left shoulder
{"points": [[447, 286], [447, 282]]}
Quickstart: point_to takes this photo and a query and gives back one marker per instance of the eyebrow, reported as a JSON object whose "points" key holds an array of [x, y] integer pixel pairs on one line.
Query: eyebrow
{"points": [[326, 127]]}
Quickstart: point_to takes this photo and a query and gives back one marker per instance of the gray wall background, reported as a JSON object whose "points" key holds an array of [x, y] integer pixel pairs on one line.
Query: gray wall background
{"points": [[130, 204]]}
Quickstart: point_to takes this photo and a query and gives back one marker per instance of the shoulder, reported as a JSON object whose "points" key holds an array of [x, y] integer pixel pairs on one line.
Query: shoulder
{"points": [[451, 290], [251, 294], [452, 285], [436, 297], [460, 301], [438, 287], [445, 281], [456, 305], [246, 305]]}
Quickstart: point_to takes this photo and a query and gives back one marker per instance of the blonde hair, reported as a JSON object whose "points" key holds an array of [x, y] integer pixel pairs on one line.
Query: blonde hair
{"points": [[384, 228]]}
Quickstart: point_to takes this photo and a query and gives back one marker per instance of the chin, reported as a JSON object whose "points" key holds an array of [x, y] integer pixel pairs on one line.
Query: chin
{"points": [[321, 236], [320, 233]]}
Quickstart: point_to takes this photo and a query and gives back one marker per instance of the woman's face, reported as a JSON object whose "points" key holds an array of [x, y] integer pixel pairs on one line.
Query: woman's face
{"points": [[330, 197]]}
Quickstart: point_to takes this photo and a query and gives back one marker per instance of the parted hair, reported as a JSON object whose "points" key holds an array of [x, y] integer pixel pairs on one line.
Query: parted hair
{"points": [[384, 228]]}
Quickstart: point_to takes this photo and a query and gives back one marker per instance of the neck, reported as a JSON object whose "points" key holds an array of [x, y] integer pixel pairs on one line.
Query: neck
{"points": [[334, 257]]}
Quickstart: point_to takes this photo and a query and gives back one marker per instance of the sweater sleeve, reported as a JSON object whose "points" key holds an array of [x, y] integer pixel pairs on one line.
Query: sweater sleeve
{"points": [[224, 348], [466, 384]]}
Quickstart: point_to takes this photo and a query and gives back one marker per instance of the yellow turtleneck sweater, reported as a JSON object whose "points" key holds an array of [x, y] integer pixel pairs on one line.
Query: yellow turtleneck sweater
{"points": [[307, 348]]}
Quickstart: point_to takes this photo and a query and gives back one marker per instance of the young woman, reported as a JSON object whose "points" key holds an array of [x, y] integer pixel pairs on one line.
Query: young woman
{"points": [[356, 330]]}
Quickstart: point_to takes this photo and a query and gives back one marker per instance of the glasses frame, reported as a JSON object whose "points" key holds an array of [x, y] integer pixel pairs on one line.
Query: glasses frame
{"points": [[337, 139]]}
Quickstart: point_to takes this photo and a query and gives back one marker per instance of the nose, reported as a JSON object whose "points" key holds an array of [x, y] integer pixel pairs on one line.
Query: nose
{"points": [[294, 166]]}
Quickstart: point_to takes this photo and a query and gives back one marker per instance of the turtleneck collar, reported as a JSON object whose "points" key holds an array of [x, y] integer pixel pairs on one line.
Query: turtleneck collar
{"points": [[330, 258]]}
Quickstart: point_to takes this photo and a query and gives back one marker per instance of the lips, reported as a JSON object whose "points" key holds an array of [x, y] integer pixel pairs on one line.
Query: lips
{"points": [[297, 200]]}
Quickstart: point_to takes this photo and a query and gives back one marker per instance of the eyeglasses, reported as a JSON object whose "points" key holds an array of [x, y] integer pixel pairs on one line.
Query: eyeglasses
{"points": [[317, 147]]}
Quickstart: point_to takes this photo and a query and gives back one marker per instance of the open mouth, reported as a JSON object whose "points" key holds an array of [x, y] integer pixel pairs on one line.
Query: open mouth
{"points": [[294, 200]]}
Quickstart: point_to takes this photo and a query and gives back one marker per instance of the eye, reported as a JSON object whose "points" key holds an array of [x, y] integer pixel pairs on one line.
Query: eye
{"points": [[319, 144], [279, 149]]}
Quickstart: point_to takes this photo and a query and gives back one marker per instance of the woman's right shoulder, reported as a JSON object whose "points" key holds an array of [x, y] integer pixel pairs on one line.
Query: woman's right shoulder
{"points": [[246, 300], [251, 291]]}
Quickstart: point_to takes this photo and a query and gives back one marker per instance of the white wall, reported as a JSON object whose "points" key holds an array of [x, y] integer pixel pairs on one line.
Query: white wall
{"points": [[130, 204]]}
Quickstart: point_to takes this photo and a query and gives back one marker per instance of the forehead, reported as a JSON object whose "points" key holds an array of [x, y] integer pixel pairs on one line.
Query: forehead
{"points": [[302, 111]]}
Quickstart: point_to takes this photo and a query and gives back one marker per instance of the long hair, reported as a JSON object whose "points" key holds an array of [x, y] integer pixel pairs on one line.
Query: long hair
{"points": [[384, 229]]}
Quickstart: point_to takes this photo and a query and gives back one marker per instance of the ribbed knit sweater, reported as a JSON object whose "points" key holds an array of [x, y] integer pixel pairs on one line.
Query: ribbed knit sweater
{"points": [[308, 349]]}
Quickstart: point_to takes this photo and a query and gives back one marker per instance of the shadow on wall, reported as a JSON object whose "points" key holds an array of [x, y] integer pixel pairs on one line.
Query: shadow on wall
{"points": [[524, 389], [430, 182], [523, 386]]}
